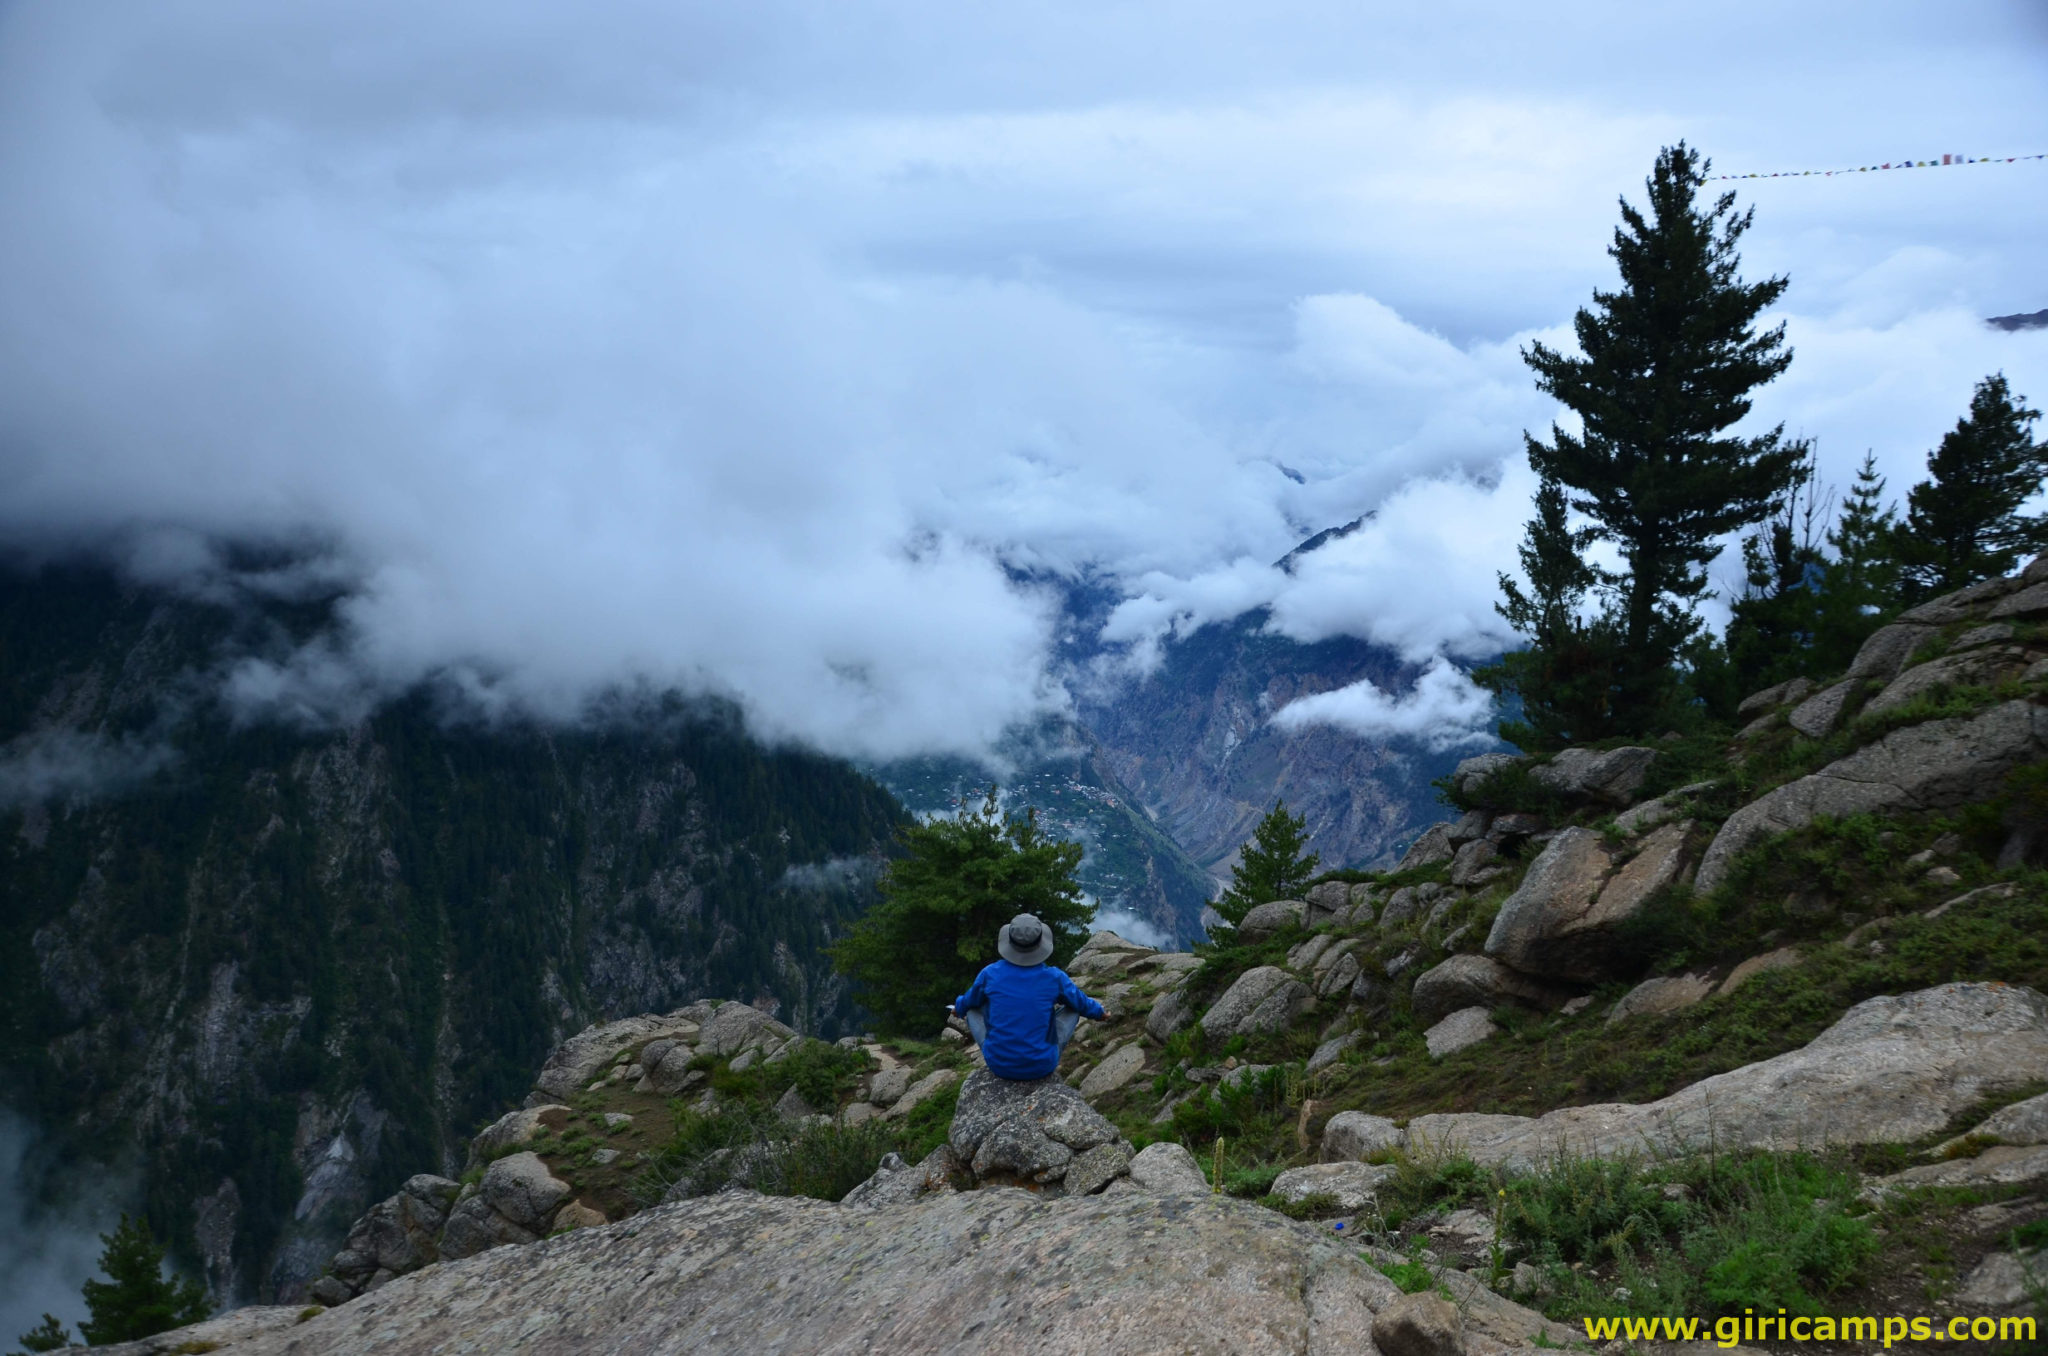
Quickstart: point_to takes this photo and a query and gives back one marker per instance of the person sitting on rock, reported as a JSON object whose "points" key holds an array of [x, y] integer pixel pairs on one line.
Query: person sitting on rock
{"points": [[1021, 1011]]}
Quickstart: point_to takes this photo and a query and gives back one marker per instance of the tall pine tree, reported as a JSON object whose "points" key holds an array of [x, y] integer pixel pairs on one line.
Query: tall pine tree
{"points": [[1963, 523], [1860, 586], [1565, 677], [1271, 866], [137, 1300], [1668, 363], [959, 880]]}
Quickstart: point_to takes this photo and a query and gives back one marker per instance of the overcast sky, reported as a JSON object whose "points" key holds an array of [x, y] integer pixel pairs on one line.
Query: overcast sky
{"points": [[742, 346]]}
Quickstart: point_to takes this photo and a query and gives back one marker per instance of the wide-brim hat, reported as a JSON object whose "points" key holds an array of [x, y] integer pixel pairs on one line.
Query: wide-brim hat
{"points": [[1024, 941]]}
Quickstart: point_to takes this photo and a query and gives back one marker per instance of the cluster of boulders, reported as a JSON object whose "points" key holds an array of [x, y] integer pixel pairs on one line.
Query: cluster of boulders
{"points": [[1042, 1136]]}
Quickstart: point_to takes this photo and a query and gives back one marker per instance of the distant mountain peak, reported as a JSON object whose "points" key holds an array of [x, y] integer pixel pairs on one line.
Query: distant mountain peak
{"points": [[2033, 320]]}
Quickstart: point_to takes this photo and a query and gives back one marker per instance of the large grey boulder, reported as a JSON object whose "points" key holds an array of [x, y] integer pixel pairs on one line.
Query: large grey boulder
{"points": [[1560, 886], [1117, 1068], [1167, 1168], [1937, 765], [581, 1058], [1324, 902], [401, 1232], [1274, 916], [1610, 776], [1473, 772], [1973, 600], [1352, 1136], [1477, 981], [1461, 1030], [1170, 1012], [895, 1182], [508, 1132], [1891, 1071], [1666, 993], [736, 1027], [1265, 999], [1432, 847], [473, 1227], [1023, 1131], [521, 1188], [1424, 1324], [1790, 691], [996, 1270], [1971, 668], [1567, 918], [1818, 715], [1349, 1185]]}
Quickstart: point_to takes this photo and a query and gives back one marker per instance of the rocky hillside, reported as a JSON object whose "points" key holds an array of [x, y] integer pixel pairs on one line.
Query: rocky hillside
{"points": [[274, 971], [1673, 1029]]}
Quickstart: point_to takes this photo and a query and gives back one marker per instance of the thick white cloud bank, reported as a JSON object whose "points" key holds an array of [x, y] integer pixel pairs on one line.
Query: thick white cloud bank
{"points": [[758, 349]]}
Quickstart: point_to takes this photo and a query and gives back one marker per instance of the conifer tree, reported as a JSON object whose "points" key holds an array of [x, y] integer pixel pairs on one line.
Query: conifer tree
{"points": [[1773, 625], [1963, 522], [49, 1335], [1271, 866], [1861, 584], [1565, 676], [959, 880], [137, 1300], [1669, 361]]}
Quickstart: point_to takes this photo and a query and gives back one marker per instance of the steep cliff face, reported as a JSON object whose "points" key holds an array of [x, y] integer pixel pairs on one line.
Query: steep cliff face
{"points": [[277, 970], [1195, 740]]}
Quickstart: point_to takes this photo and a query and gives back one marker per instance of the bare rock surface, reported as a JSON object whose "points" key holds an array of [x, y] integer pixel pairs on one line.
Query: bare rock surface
{"points": [[970, 1272], [1567, 917], [2021, 1123], [736, 1027], [1350, 1185], [1473, 771], [509, 1131], [1784, 958], [1420, 1325], [1461, 1030], [521, 1188], [1263, 1000], [576, 1061], [1666, 993], [1354, 1135], [1119, 1067], [1937, 765], [1892, 1070], [1266, 919], [1477, 981], [1432, 847], [1024, 1131], [1168, 1168], [1611, 776], [228, 1331]]}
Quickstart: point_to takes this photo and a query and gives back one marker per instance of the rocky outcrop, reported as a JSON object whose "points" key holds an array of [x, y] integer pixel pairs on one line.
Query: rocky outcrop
{"points": [[987, 1270], [1168, 1169], [1891, 1071], [1347, 1185], [1608, 776], [1937, 765], [1477, 981], [1461, 1030], [1356, 1136], [1264, 920], [1666, 993], [1263, 1000], [1033, 1134], [400, 1233], [1566, 920]]}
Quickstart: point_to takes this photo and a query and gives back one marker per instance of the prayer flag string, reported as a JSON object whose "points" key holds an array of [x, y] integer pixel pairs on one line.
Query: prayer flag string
{"points": [[1946, 160]]}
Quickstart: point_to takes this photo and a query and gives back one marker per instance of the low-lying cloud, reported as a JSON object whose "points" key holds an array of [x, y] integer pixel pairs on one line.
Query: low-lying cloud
{"points": [[76, 766], [762, 351]]}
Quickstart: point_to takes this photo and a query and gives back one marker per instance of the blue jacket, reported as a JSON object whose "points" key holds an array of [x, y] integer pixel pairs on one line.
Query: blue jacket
{"points": [[1020, 1000]]}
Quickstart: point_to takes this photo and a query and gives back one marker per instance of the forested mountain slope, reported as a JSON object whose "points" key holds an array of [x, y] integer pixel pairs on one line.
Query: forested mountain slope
{"points": [[274, 970]]}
